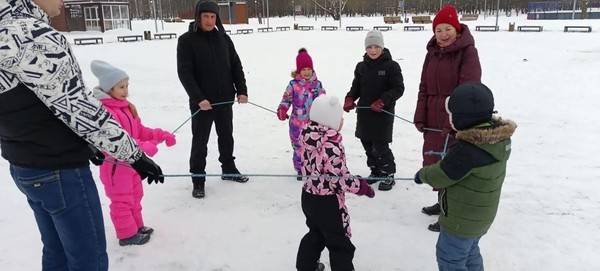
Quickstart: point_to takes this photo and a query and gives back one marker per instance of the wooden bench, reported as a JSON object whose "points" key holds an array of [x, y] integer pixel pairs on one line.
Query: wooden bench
{"points": [[329, 28], [382, 28], [572, 28], [165, 36], [228, 32], [265, 29], [354, 28], [130, 38], [414, 28], [469, 17], [244, 31], [421, 19], [486, 28], [173, 20], [282, 28], [85, 41], [530, 28], [305, 27], [392, 19]]}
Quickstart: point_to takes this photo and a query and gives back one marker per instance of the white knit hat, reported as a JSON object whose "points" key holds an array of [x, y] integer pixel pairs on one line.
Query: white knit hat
{"points": [[108, 75], [327, 111], [374, 37]]}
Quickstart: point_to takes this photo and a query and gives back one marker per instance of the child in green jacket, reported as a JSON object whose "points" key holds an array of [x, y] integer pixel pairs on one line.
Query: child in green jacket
{"points": [[470, 176]]}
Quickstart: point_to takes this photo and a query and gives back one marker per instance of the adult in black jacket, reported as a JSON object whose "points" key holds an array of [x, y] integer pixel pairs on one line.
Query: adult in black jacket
{"points": [[377, 84], [211, 72]]}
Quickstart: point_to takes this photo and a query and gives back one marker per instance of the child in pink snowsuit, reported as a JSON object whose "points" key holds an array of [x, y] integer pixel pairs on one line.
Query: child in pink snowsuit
{"points": [[299, 94], [122, 184]]}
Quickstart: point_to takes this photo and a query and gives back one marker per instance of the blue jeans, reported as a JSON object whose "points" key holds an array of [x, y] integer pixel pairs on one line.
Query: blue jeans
{"points": [[455, 253], [67, 210]]}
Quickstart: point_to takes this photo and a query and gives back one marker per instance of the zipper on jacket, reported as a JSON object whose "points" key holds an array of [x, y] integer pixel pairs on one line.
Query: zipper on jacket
{"points": [[444, 203]]}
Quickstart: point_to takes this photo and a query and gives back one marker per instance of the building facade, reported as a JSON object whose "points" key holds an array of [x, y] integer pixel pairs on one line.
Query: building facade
{"points": [[93, 15]]}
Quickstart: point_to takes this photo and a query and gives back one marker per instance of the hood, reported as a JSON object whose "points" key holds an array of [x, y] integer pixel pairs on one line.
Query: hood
{"points": [[465, 40], [500, 131], [107, 100], [22, 8], [320, 134], [193, 27]]}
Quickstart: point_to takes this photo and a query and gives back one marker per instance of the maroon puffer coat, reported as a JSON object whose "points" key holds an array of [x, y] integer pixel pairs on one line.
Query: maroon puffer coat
{"points": [[443, 70]]}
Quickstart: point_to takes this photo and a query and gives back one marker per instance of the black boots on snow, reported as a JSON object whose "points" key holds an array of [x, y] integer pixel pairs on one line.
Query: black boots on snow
{"points": [[432, 210], [198, 190]]}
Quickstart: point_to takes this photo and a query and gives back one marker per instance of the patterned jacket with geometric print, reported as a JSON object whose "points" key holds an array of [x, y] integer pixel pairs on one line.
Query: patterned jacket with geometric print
{"points": [[45, 109]]}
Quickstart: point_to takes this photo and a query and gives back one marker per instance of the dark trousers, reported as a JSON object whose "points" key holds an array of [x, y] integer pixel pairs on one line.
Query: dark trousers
{"points": [[68, 213], [379, 156], [202, 122], [326, 229]]}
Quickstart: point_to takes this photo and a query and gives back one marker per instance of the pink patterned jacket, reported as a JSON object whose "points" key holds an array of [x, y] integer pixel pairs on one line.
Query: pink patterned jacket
{"points": [[324, 160]]}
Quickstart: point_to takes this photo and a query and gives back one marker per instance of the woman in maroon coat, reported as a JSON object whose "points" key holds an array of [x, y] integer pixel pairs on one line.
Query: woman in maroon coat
{"points": [[451, 60]]}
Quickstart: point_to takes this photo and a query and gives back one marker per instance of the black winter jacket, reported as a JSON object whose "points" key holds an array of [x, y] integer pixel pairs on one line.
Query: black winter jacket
{"points": [[209, 67], [375, 79]]}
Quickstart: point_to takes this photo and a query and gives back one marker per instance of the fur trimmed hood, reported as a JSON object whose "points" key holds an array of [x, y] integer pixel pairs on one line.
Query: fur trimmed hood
{"points": [[501, 129]]}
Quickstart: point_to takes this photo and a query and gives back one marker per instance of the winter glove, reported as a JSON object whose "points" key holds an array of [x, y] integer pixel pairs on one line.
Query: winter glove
{"points": [[148, 169], [377, 105], [149, 147], [168, 138], [282, 112], [97, 157], [420, 126], [349, 103], [365, 189], [418, 179]]}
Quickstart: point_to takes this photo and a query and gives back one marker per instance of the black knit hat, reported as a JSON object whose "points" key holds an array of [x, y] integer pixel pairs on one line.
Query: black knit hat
{"points": [[470, 104], [207, 6]]}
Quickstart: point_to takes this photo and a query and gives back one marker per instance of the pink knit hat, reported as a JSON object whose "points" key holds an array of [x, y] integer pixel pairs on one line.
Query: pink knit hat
{"points": [[303, 60], [447, 15]]}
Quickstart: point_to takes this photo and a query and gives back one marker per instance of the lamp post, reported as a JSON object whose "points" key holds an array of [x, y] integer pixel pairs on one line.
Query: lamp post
{"points": [[294, 10]]}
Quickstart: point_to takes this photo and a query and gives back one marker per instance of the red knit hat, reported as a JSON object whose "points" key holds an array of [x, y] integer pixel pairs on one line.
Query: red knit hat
{"points": [[303, 60], [447, 15]]}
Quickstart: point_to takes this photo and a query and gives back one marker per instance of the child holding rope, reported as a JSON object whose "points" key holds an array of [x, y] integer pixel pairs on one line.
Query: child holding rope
{"points": [[377, 84], [323, 194], [122, 184], [299, 94]]}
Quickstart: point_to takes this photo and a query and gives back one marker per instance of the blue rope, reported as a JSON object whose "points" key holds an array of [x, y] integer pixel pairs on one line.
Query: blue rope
{"points": [[442, 153], [197, 111], [271, 175], [428, 129]]}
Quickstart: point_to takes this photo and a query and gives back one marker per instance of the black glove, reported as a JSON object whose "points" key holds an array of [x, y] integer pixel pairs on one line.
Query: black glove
{"points": [[148, 169], [417, 179], [97, 157]]}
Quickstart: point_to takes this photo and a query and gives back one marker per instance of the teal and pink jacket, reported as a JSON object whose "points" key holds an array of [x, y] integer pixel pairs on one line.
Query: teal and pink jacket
{"points": [[299, 95]]}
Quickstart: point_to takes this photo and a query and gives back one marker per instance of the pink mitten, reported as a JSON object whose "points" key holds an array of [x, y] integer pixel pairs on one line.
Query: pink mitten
{"points": [[169, 139], [282, 112], [149, 147]]}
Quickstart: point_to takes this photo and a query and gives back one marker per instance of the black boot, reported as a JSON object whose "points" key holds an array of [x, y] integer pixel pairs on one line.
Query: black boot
{"points": [[432, 210], [375, 176], [233, 174], [198, 191], [435, 227], [299, 177], [320, 267], [387, 183]]}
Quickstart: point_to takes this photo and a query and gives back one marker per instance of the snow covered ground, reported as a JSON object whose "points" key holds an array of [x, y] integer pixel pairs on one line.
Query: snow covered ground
{"points": [[549, 216]]}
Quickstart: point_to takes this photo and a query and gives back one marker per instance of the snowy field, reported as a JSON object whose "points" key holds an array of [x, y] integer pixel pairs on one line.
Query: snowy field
{"points": [[549, 216]]}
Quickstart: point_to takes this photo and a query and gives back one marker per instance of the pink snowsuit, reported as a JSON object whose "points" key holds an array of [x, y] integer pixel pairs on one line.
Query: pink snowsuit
{"points": [[122, 184], [300, 94]]}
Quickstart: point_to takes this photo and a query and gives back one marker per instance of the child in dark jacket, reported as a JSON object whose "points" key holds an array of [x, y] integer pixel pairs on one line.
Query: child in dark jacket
{"points": [[377, 84], [323, 194], [470, 176], [299, 95], [122, 184]]}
